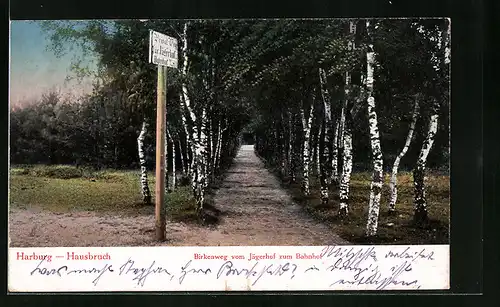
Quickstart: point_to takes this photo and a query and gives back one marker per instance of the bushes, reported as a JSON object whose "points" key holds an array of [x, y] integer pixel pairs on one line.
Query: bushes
{"points": [[53, 171]]}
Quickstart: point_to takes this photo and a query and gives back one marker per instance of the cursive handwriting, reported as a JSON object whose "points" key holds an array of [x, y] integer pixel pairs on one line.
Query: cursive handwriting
{"points": [[58, 272], [140, 274], [46, 271], [375, 277], [313, 268], [359, 253], [228, 269], [407, 254], [278, 270], [194, 271], [398, 267]]}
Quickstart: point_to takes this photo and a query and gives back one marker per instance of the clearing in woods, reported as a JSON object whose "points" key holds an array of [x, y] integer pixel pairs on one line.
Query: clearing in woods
{"points": [[254, 209]]}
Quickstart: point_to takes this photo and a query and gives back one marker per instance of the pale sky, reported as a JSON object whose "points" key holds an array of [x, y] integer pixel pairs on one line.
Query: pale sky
{"points": [[33, 69]]}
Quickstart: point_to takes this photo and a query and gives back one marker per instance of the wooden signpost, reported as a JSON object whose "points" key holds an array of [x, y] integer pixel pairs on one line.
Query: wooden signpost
{"points": [[162, 52]]}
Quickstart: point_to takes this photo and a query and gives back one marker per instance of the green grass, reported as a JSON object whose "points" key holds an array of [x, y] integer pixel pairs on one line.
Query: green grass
{"points": [[393, 229], [65, 188]]}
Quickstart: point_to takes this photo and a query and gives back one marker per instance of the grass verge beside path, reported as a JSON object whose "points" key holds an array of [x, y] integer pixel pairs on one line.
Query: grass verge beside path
{"points": [[62, 188], [393, 229]]}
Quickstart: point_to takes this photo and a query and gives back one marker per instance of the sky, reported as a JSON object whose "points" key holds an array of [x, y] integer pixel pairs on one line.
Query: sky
{"points": [[34, 69]]}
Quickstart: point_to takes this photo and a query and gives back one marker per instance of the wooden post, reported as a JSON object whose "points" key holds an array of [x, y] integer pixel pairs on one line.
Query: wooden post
{"points": [[160, 154]]}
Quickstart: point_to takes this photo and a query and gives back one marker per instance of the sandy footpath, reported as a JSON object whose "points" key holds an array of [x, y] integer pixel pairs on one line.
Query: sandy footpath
{"points": [[255, 211]]}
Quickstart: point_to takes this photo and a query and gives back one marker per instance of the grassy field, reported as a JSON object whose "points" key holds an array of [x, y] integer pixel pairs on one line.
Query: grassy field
{"points": [[393, 229], [62, 188], [66, 188]]}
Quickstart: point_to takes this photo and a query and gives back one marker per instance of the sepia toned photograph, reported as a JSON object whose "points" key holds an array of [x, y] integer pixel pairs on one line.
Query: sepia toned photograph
{"points": [[229, 132]]}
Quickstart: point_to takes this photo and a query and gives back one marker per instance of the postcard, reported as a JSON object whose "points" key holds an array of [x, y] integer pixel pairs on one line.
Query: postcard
{"points": [[229, 155]]}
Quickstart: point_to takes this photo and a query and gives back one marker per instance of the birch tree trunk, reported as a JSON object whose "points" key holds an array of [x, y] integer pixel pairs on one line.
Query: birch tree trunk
{"points": [[345, 137], [325, 138], [420, 215], [327, 148], [394, 175], [174, 175], [203, 158], [282, 147], [167, 179], [335, 155], [377, 177], [181, 154], [219, 146], [306, 125], [197, 149], [323, 176], [211, 152], [146, 193], [442, 60], [291, 153], [216, 151], [317, 152], [187, 150], [345, 179]]}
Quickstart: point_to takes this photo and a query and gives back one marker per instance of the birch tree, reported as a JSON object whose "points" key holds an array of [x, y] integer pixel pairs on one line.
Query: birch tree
{"points": [[346, 135], [394, 175], [325, 132], [419, 171], [306, 125], [335, 157], [440, 59], [377, 176], [171, 141], [197, 135], [146, 193]]}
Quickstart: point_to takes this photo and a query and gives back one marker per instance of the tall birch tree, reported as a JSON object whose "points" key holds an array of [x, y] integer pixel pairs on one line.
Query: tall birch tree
{"points": [[377, 175]]}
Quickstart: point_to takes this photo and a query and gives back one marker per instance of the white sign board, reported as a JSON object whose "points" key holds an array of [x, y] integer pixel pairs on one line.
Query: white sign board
{"points": [[162, 49]]}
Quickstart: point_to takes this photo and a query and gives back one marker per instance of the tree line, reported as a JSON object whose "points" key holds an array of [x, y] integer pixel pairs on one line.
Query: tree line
{"points": [[335, 96]]}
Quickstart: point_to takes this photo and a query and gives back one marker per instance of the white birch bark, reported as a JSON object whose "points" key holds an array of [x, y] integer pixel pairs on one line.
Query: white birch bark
{"points": [[306, 125], [217, 144], [181, 154], [196, 165], [291, 170], [210, 149], [168, 187], [324, 170], [325, 95], [335, 152], [419, 171], [345, 137], [340, 139], [188, 159], [146, 192], [174, 173], [323, 176], [282, 147], [317, 153], [203, 158], [420, 201], [377, 160], [394, 175], [345, 179], [447, 45]]}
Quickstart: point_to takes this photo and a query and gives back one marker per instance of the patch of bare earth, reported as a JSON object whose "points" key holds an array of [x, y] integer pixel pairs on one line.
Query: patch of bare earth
{"points": [[255, 210]]}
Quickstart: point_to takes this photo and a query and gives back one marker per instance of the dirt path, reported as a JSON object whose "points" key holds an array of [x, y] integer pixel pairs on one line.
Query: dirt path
{"points": [[255, 211]]}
